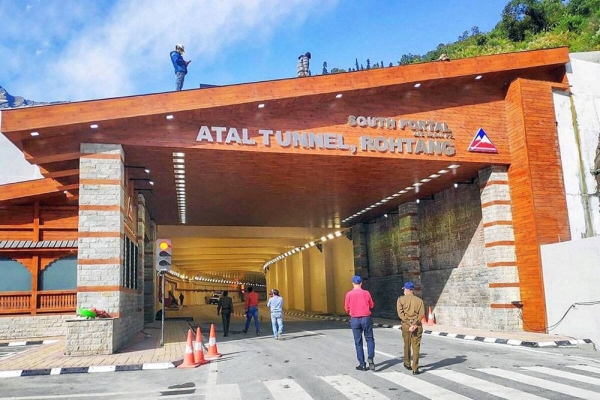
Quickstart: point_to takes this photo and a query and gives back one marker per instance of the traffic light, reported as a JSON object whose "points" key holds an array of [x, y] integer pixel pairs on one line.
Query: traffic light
{"points": [[163, 255]]}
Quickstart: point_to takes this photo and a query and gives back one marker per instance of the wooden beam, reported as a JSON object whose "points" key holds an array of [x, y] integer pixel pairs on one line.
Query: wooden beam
{"points": [[28, 189], [73, 186], [53, 158], [59, 174]]}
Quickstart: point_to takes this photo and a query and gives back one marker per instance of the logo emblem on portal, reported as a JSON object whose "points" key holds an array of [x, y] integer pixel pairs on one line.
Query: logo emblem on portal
{"points": [[481, 143]]}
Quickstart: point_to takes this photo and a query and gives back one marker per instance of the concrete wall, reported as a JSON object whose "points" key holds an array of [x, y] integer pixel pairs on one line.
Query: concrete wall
{"points": [[571, 275], [578, 124]]}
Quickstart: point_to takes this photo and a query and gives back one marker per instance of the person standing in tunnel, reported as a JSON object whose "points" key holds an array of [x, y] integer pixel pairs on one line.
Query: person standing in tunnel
{"points": [[358, 304], [252, 310], [225, 308], [411, 310], [275, 305]]}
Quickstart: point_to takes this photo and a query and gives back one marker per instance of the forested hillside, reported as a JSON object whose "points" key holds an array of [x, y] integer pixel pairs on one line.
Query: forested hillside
{"points": [[524, 25], [527, 25]]}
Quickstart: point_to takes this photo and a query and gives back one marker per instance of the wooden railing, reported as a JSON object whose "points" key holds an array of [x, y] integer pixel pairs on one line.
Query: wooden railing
{"points": [[46, 301]]}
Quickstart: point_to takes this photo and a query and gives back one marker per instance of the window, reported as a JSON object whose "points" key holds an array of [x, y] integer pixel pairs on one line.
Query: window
{"points": [[130, 264], [61, 274], [15, 276]]}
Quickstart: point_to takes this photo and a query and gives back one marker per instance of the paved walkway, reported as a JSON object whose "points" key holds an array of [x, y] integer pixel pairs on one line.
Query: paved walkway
{"points": [[143, 349], [145, 352]]}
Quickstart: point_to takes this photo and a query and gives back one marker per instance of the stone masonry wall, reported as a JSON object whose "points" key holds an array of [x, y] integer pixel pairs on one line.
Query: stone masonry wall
{"points": [[453, 271], [28, 327], [384, 264]]}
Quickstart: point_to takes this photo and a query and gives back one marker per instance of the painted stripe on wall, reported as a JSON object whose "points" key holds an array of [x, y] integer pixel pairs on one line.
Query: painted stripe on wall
{"points": [[502, 264], [500, 243], [504, 284], [496, 203], [99, 234], [100, 182], [496, 223], [94, 261]]}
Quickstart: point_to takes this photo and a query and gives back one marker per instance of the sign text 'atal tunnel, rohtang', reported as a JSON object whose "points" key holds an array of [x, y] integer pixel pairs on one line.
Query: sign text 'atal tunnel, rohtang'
{"points": [[429, 137]]}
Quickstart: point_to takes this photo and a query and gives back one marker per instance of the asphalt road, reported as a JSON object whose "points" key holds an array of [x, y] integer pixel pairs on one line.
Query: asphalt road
{"points": [[316, 360]]}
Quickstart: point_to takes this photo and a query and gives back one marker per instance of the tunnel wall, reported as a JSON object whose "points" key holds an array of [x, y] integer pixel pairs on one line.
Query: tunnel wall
{"points": [[438, 245]]}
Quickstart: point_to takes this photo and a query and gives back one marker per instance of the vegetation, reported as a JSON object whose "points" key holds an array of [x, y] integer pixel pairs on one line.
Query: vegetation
{"points": [[527, 25], [524, 25]]}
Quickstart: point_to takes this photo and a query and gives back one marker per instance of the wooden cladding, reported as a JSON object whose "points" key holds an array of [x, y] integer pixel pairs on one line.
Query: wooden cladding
{"points": [[40, 302], [536, 189], [38, 222]]}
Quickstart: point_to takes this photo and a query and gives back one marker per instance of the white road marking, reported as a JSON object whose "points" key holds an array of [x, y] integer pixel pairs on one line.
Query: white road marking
{"points": [[485, 386], [566, 375], [286, 389], [544, 384], [352, 388], [101, 368], [420, 386], [587, 368], [213, 372]]}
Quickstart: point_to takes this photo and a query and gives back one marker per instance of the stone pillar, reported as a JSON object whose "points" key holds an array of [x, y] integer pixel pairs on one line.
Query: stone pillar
{"points": [[408, 244], [500, 255], [150, 280], [100, 246]]}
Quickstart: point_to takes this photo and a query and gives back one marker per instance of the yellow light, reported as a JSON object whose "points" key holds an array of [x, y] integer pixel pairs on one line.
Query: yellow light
{"points": [[163, 245]]}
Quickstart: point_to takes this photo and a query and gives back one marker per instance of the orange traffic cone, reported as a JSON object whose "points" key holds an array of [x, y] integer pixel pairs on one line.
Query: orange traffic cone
{"points": [[430, 317], [424, 320], [198, 351], [188, 355], [212, 344]]}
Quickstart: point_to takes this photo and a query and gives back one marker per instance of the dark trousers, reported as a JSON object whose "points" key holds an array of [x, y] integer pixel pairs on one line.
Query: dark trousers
{"points": [[226, 317], [412, 340], [363, 326]]}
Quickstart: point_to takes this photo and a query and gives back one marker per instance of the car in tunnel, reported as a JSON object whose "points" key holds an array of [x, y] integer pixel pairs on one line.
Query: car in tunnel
{"points": [[216, 296]]}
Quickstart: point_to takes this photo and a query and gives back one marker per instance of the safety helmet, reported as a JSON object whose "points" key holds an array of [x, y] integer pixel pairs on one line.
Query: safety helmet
{"points": [[179, 46]]}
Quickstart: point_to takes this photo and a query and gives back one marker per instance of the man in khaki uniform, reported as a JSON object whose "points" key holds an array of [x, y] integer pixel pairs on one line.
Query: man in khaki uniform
{"points": [[411, 311]]}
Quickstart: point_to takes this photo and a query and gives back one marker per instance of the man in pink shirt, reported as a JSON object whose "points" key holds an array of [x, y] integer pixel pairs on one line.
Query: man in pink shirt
{"points": [[252, 310], [359, 304]]}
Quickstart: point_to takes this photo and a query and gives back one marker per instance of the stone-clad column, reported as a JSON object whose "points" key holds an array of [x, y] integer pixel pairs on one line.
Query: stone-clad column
{"points": [[408, 244], [150, 281], [100, 247], [500, 255]]}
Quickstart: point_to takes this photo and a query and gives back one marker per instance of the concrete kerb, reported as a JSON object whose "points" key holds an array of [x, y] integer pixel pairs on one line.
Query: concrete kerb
{"points": [[28, 343], [85, 370], [483, 339]]}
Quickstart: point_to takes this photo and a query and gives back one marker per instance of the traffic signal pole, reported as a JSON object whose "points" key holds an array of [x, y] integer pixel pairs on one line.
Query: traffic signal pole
{"points": [[163, 264], [162, 314]]}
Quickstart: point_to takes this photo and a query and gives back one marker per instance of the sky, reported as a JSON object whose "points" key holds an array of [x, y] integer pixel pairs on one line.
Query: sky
{"points": [[70, 50]]}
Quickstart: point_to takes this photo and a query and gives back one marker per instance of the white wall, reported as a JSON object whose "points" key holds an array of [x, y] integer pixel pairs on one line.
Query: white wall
{"points": [[578, 146], [13, 167], [572, 275]]}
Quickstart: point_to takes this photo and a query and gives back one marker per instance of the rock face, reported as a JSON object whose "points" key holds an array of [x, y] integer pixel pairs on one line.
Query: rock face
{"points": [[8, 101]]}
